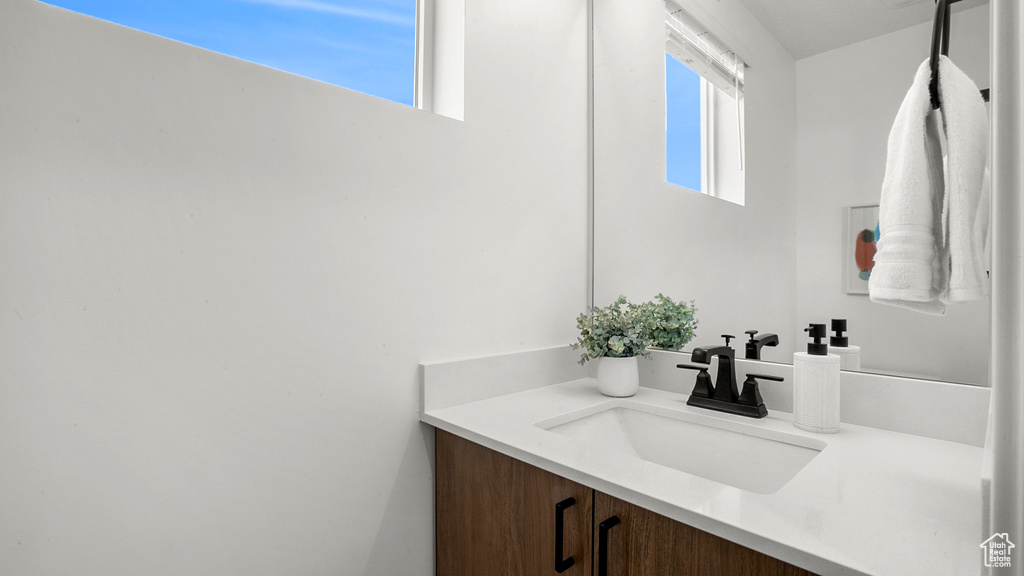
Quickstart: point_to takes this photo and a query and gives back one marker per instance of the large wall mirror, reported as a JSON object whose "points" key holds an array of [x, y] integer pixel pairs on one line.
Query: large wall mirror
{"points": [[822, 85]]}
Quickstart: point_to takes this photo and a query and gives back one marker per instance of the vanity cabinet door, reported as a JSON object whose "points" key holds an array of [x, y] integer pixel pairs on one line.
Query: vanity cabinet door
{"points": [[642, 543], [497, 516]]}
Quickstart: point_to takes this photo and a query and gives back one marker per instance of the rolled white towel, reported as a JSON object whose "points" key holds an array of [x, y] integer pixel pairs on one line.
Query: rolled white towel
{"points": [[908, 270], [966, 206], [932, 248]]}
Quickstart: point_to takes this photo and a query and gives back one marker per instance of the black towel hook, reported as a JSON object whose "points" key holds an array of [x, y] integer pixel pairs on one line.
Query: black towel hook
{"points": [[940, 46]]}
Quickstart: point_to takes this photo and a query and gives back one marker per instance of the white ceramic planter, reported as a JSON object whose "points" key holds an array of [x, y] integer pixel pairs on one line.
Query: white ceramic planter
{"points": [[618, 377]]}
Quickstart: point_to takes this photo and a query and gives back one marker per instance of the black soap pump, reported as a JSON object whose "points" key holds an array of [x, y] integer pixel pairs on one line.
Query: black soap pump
{"points": [[817, 332], [849, 356], [816, 385]]}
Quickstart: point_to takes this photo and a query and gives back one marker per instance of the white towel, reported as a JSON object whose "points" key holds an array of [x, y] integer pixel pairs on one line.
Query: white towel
{"points": [[907, 271], [933, 224], [966, 207]]}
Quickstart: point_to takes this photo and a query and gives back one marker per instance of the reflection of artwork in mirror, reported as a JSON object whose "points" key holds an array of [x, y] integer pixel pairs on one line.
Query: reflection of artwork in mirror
{"points": [[861, 233]]}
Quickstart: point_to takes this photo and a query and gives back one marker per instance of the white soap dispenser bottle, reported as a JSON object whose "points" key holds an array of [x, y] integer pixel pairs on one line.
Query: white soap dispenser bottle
{"points": [[816, 385], [849, 356]]}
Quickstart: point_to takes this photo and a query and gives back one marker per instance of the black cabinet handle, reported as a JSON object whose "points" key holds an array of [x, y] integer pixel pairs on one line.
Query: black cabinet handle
{"points": [[561, 564], [602, 544]]}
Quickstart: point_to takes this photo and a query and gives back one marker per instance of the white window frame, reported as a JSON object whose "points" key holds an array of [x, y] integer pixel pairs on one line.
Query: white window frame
{"points": [[440, 57], [722, 147], [707, 138]]}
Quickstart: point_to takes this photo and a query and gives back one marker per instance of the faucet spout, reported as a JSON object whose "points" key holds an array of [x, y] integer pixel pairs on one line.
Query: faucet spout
{"points": [[753, 347], [704, 354], [725, 388]]}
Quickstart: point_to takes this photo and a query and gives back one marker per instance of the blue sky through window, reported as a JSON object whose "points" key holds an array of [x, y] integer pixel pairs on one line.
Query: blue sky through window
{"points": [[682, 125], [364, 45]]}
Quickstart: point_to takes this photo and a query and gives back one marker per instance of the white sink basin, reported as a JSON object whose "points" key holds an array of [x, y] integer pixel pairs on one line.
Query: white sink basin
{"points": [[748, 457]]}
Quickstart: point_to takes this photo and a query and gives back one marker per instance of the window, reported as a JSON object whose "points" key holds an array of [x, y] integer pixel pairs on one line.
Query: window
{"points": [[684, 134], [703, 109], [364, 45], [440, 64]]}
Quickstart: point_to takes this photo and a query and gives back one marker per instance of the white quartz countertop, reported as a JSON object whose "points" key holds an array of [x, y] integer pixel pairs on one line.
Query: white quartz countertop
{"points": [[873, 502]]}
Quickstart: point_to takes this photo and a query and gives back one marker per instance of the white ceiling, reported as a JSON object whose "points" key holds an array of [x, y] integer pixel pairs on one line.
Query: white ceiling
{"points": [[809, 27]]}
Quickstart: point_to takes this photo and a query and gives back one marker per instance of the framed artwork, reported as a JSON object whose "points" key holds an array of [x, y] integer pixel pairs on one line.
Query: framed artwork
{"points": [[860, 235]]}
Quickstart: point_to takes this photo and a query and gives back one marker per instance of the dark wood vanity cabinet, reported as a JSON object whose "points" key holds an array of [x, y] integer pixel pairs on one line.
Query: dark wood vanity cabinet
{"points": [[498, 516], [644, 543]]}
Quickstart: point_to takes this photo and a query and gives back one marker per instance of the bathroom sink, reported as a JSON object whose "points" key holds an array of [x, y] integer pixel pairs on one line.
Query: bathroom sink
{"points": [[745, 456]]}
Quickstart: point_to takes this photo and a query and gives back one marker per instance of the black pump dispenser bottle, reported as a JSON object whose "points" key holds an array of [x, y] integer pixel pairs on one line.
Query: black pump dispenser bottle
{"points": [[816, 385], [839, 326], [818, 333]]}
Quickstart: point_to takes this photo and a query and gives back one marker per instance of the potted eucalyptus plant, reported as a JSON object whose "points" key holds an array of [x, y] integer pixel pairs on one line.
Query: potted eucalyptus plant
{"points": [[672, 324], [620, 333]]}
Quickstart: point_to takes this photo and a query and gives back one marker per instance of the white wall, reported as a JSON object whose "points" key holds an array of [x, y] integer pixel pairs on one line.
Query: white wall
{"points": [[737, 262], [218, 282], [847, 100]]}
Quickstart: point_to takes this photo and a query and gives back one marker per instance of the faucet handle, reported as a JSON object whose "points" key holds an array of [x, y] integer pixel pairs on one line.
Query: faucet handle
{"points": [[703, 387], [766, 377], [751, 332], [751, 396], [727, 338]]}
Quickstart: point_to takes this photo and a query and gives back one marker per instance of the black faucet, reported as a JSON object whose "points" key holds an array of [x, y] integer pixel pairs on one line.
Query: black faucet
{"points": [[725, 383], [755, 344], [723, 395]]}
